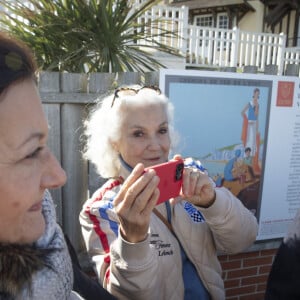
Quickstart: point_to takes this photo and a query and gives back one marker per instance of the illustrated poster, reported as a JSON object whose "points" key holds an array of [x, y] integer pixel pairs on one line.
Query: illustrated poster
{"points": [[245, 130]]}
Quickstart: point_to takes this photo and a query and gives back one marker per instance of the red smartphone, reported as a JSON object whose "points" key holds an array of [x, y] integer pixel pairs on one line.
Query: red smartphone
{"points": [[170, 174]]}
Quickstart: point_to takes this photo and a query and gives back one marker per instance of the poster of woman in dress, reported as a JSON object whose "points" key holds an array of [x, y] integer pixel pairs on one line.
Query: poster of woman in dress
{"points": [[222, 122]]}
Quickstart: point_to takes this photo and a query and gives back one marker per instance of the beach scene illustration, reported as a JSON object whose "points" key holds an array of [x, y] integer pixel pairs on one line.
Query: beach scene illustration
{"points": [[223, 124]]}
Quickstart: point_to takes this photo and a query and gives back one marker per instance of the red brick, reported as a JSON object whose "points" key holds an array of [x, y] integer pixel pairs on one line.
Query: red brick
{"points": [[246, 283], [240, 291], [231, 265], [264, 269], [257, 261], [257, 296], [261, 287], [244, 255], [242, 273], [223, 257], [232, 283], [254, 280], [268, 252]]}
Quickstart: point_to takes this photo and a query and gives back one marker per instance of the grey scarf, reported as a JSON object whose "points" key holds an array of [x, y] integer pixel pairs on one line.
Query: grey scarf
{"points": [[39, 271]]}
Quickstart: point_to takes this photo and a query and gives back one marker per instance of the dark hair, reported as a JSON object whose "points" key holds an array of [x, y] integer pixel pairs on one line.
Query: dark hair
{"points": [[248, 149], [16, 62]]}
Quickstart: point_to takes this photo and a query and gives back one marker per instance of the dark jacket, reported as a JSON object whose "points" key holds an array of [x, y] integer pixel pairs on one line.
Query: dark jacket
{"points": [[284, 278], [84, 285]]}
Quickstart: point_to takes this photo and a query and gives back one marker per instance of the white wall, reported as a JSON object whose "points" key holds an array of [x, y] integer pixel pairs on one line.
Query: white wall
{"points": [[253, 21]]}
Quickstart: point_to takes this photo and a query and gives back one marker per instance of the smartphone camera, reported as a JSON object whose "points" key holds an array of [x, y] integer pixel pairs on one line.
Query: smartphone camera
{"points": [[178, 172]]}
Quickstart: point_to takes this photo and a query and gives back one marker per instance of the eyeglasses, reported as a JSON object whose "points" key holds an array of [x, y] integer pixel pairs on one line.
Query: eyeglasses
{"points": [[131, 91]]}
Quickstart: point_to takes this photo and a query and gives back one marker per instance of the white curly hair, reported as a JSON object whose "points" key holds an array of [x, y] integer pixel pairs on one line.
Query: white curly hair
{"points": [[103, 126]]}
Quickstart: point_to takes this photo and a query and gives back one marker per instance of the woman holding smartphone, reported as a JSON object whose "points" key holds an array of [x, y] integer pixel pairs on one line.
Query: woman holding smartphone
{"points": [[142, 250]]}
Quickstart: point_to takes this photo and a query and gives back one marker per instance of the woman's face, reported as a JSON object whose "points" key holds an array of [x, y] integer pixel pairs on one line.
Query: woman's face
{"points": [[27, 167], [144, 135]]}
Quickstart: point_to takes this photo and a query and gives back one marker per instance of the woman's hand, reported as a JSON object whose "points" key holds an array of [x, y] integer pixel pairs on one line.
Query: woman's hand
{"points": [[135, 202], [197, 187]]}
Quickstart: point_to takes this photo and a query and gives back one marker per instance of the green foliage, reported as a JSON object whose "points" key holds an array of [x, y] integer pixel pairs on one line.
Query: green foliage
{"points": [[86, 35]]}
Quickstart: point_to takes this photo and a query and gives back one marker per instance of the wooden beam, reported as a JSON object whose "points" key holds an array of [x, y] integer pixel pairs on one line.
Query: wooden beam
{"points": [[277, 14], [202, 4]]}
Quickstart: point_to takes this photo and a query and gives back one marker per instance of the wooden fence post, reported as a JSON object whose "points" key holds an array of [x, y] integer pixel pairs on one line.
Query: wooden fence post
{"points": [[76, 187], [281, 53], [235, 47], [49, 82]]}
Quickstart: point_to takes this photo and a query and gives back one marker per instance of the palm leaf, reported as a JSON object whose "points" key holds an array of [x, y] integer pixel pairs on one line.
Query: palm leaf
{"points": [[87, 36]]}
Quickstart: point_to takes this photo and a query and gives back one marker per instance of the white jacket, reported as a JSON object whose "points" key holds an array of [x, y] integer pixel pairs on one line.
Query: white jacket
{"points": [[152, 269]]}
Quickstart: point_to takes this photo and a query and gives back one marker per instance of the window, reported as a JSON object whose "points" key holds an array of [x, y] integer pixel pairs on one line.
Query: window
{"points": [[205, 21], [222, 21]]}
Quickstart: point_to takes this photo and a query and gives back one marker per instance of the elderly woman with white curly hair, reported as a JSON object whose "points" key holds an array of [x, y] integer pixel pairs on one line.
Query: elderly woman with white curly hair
{"points": [[142, 250]]}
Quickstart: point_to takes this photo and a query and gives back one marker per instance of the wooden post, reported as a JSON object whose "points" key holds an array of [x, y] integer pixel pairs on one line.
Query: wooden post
{"points": [[49, 83], [52, 112], [75, 190]]}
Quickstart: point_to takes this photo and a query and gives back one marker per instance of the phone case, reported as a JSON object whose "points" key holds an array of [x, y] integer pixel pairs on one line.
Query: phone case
{"points": [[170, 174]]}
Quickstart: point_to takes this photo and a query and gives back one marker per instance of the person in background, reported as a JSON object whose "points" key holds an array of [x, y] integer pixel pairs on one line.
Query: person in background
{"points": [[284, 278], [248, 160], [230, 166], [142, 250], [250, 129], [250, 112], [34, 257]]}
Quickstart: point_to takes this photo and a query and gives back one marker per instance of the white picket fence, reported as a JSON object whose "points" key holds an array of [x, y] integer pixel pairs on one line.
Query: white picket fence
{"points": [[208, 47], [167, 19], [211, 47]]}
